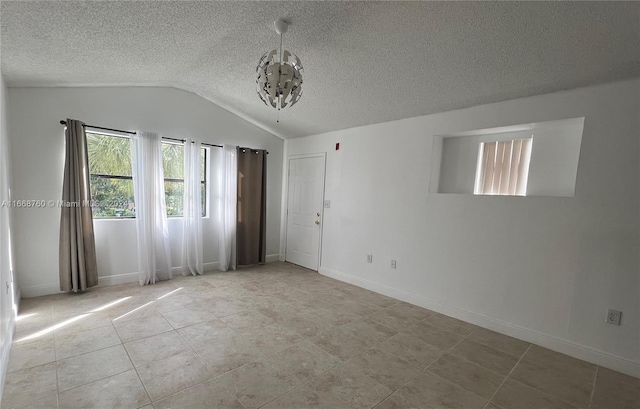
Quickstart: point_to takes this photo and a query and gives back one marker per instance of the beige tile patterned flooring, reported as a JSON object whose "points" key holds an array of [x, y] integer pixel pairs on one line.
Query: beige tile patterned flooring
{"points": [[280, 336]]}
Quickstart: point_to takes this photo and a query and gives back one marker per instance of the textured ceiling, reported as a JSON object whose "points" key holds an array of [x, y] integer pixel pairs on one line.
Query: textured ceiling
{"points": [[365, 62]]}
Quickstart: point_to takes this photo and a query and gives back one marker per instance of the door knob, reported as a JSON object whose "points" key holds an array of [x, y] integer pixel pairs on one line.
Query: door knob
{"points": [[318, 214], [317, 222]]}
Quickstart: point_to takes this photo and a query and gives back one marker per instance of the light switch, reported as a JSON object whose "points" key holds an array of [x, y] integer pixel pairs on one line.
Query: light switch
{"points": [[327, 204]]}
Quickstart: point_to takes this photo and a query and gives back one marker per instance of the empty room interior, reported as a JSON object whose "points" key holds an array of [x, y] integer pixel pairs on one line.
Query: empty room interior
{"points": [[316, 204]]}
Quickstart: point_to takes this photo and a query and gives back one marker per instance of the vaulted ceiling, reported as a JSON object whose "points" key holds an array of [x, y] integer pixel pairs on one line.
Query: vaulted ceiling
{"points": [[365, 62]]}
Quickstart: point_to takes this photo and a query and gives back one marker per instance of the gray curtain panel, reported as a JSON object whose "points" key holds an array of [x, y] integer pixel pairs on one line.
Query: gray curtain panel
{"points": [[78, 267], [252, 206]]}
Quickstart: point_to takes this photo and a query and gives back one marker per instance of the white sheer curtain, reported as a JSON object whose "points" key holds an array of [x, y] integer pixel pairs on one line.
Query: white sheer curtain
{"points": [[154, 257], [192, 214], [227, 193]]}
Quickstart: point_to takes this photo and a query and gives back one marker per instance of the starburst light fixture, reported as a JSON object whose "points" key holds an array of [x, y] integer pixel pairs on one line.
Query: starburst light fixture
{"points": [[279, 82]]}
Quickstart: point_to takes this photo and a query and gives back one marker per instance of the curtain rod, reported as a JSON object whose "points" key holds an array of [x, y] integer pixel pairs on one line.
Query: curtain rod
{"points": [[63, 122], [243, 148]]}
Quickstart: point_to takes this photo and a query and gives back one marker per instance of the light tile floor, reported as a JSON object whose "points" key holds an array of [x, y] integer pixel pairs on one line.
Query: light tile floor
{"points": [[280, 336]]}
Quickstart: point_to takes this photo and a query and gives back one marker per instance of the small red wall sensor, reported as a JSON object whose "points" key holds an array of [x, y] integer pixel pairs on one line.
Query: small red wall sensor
{"points": [[338, 146]]}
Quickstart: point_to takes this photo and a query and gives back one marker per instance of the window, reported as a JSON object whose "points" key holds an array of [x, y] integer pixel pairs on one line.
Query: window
{"points": [[503, 167], [112, 182], [173, 163]]}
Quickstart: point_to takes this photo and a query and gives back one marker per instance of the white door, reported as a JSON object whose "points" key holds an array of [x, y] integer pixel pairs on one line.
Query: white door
{"points": [[304, 211]]}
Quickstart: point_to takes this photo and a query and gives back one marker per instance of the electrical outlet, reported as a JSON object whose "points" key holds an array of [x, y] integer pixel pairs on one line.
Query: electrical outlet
{"points": [[369, 258], [393, 264], [613, 317]]}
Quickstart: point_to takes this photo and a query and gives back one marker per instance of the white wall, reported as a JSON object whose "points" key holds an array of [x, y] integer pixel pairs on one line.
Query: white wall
{"points": [[7, 289], [543, 269], [37, 149]]}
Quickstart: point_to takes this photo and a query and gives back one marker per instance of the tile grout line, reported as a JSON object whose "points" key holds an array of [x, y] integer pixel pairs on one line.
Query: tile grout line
{"points": [[507, 377], [201, 359], [308, 339], [145, 337], [551, 394], [55, 353], [55, 362], [134, 367], [312, 379], [97, 350], [206, 364], [426, 368], [445, 351], [89, 352], [593, 387], [234, 369], [242, 366], [477, 364]]}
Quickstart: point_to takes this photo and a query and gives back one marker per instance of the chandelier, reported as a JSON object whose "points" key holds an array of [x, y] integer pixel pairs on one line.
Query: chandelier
{"points": [[279, 82]]}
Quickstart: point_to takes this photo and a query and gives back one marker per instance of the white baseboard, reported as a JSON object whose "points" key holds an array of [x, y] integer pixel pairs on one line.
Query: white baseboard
{"points": [[40, 290], [567, 347], [118, 279], [37, 291], [48, 289], [133, 277], [206, 267]]}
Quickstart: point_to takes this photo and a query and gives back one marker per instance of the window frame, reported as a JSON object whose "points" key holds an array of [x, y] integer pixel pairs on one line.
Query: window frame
{"points": [[110, 134], [205, 213]]}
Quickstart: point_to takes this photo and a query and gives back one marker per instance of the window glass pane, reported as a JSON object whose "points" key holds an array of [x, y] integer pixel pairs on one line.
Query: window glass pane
{"points": [[503, 167], [109, 155], [173, 160], [112, 197], [203, 164], [173, 193], [203, 198]]}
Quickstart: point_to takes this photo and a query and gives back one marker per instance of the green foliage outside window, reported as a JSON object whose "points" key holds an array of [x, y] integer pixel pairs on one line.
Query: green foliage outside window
{"points": [[111, 177]]}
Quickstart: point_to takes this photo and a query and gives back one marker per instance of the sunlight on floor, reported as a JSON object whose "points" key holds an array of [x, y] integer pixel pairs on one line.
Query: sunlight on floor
{"points": [[66, 322], [147, 304], [104, 307], [53, 328], [169, 293], [133, 310], [25, 316], [82, 316]]}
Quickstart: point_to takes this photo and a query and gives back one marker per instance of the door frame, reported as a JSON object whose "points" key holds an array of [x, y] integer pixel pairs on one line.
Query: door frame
{"points": [[322, 155]]}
